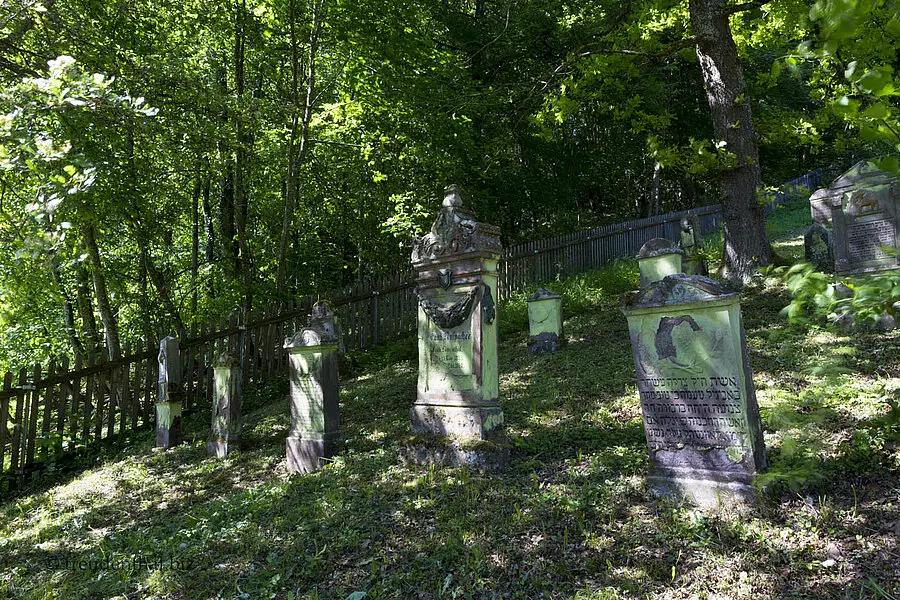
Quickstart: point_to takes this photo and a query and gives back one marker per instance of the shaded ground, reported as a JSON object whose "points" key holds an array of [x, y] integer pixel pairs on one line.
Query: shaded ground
{"points": [[570, 518]]}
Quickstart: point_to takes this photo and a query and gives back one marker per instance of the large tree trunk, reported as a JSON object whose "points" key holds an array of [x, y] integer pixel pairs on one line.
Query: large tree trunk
{"points": [[746, 242], [107, 317]]}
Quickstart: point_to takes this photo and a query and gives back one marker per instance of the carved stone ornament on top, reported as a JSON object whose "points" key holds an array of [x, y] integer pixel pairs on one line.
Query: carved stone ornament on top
{"points": [[455, 231]]}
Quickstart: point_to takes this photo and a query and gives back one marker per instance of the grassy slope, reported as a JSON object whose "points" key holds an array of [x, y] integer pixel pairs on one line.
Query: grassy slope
{"points": [[570, 518]]}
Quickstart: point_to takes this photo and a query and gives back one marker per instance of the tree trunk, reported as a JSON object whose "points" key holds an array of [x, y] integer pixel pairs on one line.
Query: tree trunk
{"points": [[746, 242], [68, 309], [298, 145], [195, 239], [210, 249], [86, 311], [107, 317], [244, 260]]}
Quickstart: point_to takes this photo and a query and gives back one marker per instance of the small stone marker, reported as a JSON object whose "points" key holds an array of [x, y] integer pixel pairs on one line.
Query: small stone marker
{"points": [[697, 396], [168, 405], [864, 207], [818, 248], [545, 321], [314, 393], [226, 410], [458, 386], [657, 258], [693, 262]]}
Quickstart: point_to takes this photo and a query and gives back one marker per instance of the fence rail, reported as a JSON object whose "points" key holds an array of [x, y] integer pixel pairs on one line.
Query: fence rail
{"points": [[50, 413]]}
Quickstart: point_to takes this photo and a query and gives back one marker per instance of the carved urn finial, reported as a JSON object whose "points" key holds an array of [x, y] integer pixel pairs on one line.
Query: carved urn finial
{"points": [[452, 196]]}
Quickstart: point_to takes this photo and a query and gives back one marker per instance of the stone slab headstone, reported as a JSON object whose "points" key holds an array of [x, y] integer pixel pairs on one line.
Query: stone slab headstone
{"points": [[657, 258], [315, 431], [545, 322], [458, 389], [226, 410], [693, 262], [863, 205], [696, 389], [169, 402], [818, 248]]}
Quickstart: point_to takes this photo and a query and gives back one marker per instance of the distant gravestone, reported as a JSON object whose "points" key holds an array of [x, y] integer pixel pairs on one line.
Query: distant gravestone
{"points": [[226, 410], [169, 403], [862, 205], [458, 385], [818, 248], [314, 393], [700, 413], [693, 262], [545, 321], [657, 258]]}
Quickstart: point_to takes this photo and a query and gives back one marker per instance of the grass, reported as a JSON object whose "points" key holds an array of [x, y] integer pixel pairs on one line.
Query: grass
{"points": [[570, 517]]}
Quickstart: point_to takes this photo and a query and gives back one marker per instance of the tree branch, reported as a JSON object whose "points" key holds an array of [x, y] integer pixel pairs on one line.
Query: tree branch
{"points": [[730, 10]]}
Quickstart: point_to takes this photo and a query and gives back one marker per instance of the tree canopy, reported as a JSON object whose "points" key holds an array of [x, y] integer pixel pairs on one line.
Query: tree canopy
{"points": [[165, 162]]}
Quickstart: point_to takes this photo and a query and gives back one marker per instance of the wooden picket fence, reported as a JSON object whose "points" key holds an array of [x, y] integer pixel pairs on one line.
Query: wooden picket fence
{"points": [[71, 406]]}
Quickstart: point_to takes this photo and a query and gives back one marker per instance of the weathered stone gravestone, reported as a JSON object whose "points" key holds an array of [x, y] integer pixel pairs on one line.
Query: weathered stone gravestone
{"points": [[863, 207], [657, 258], [458, 386], [169, 403], [226, 410], [696, 389], [818, 248], [545, 321], [314, 393], [693, 262]]}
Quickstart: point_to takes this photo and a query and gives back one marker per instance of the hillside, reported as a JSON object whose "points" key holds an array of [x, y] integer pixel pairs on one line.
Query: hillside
{"points": [[569, 518]]}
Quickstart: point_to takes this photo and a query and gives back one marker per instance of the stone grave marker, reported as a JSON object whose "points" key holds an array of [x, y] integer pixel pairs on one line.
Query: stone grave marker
{"points": [[696, 389], [545, 321], [314, 393], [458, 384], [863, 205], [657, 258], [818, 248], [169, 402], [226, 410]]}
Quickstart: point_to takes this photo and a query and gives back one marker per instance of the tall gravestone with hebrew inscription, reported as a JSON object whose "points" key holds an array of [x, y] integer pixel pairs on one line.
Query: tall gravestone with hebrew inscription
{"points": [[169, 402], [863, 205], [458, 386], [225, 434], [315, 432], [696, 389]]}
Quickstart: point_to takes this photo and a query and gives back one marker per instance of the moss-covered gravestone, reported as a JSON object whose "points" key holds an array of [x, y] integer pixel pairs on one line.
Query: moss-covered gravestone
{"points": [[169, 403], [458, 386], [226, 410], [696, 389], [544, 321], [657, 258], [314, 393]]}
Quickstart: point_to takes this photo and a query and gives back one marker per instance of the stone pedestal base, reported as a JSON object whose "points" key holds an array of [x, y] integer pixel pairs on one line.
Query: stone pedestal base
{"points": [[705, 493], [544, 343], [222, 448], [303, 454], [437, 450], [464, 422], [168, 424]]}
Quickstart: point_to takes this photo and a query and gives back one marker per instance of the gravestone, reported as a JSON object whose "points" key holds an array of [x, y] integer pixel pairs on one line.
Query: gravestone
{"points": [[314, 393], [697, 397], [545, 322], [657, 258], [863, 207], [693, 262], [818, 248], [169, 403], [458, 384], [226, 410]]}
